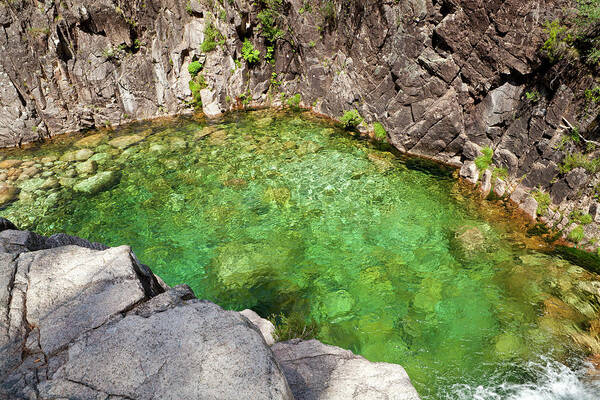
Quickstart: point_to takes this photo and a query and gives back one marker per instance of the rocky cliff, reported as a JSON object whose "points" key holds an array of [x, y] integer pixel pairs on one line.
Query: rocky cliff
{"points": [[79, 320], [446, 78]]}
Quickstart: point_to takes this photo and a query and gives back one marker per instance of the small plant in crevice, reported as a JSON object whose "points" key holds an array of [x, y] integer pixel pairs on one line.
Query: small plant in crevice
{"points": [[249, 53], [485, 159], [580, 217], [212, 38], [499, 172], [351, 120], [196, 84], [194, 68], [543, 201], [576, 235], [577, 160], [293, 326], [534, 96], [294, 101], [379, 131]]}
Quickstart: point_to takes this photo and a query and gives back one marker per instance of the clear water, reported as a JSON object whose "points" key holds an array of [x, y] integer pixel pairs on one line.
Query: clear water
{"points": [[283, 212]]}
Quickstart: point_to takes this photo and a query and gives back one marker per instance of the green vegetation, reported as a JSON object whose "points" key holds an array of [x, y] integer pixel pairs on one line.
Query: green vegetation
{"points": [[351, 120], [543, 200], [268, 20], [577, 160], [379, 130], [580, 217], [212, 38], [576, 235], [559, 41], [294, 101], [501, 173], [534, 96], [194, 68], [249, 53], [293, 326], [485, 159], [196, 84]]}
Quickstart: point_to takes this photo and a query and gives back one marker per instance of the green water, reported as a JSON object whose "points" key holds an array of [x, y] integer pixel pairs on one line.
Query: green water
{"points": [[284, 213]]}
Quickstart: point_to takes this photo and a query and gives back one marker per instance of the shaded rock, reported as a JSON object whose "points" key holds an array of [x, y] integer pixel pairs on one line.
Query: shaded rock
{"points": [[124, 142], [317, 371], [6, 224], [13, 241], [62, 239], [99, 182]]}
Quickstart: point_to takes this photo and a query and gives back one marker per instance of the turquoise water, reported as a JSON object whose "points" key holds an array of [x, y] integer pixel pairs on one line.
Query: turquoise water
{"points": [[284, 213]]}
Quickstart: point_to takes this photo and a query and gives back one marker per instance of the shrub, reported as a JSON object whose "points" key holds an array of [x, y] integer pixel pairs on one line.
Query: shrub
{"points": [[577, 160], [212, 38], [194, 68], [295, 100], [196, 85], [558, 42], [485, 159], [379, 131], [576, 235], [543, 200], [249, 53], [580, 217], [501, 173], [293, 326], [268, 24], [351, 119]]}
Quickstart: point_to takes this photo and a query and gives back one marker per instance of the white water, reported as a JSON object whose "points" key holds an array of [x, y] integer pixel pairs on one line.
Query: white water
{"points": [[552, 381]]}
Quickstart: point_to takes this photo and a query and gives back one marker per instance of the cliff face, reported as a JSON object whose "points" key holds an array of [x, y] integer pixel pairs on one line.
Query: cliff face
{"points": [[445, 78]]}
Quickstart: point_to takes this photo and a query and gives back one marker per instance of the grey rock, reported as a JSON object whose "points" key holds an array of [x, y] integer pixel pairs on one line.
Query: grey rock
{"points": [[470, 172], [62, 239], [6, 224], [266, 327], [13, 241], [317, 371], [499, 187], [100, 182], [193, 350], [486, 183], [529, 207]]}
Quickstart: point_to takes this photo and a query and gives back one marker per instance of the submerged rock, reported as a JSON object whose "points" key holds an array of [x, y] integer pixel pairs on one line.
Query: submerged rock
{"points": [[90, 141], [98, 183], [124, 142], [8, 194]]}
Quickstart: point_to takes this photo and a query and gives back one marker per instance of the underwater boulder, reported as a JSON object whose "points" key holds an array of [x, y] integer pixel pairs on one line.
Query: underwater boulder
{"points": [[98, 183]]}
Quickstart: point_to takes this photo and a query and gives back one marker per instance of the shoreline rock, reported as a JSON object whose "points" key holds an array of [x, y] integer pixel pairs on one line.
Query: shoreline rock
{"points": [[80, 320]]}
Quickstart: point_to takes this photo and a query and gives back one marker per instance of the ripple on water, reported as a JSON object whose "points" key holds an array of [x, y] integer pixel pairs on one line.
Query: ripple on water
{"points": [[285, 213]]}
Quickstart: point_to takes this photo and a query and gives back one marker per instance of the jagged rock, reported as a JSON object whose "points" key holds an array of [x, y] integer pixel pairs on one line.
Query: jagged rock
{"points": [[98, 183], [471, 150], [499, 187], [529, 207], [317, 371], [6, 224], [486, 183], [470, 172]]}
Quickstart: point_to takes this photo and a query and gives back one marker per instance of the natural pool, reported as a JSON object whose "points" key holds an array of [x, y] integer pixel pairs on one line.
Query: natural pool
{"points": [[282, 212]]}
